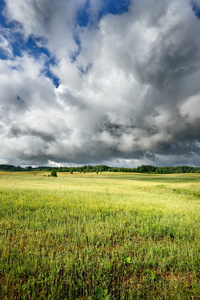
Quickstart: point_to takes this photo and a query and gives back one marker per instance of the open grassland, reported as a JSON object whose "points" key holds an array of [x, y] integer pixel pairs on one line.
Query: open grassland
{"points": [[105, 236]]}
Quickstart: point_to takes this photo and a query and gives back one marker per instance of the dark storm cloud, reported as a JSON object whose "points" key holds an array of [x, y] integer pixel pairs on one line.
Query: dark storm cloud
{"points": [[130, 95], [16, 132]]}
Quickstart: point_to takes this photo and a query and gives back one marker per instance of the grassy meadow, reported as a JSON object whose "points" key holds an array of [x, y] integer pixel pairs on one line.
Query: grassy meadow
{"points": [[99, 236]]}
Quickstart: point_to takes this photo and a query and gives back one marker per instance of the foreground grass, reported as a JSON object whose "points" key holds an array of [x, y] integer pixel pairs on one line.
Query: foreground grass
{"points": [[105, 236]]}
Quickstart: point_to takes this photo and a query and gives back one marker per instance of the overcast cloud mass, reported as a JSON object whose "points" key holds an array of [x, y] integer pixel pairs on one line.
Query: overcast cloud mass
{"points": [[82, 82]]}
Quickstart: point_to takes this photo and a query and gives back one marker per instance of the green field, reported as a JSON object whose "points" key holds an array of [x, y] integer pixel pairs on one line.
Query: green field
{"points": [[105, 236]]}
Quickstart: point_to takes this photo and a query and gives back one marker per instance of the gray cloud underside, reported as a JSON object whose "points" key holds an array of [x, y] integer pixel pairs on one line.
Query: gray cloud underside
{"points": [[131, 96]]}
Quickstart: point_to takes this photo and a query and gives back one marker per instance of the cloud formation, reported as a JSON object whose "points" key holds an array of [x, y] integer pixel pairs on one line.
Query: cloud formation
{"points": [[128, 89]]}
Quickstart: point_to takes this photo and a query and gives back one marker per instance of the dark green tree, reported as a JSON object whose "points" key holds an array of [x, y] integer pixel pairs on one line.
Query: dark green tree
{"points": [[53, 173], [29, 168]]}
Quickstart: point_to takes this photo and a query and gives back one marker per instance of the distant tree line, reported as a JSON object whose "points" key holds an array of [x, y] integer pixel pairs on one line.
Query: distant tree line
{"points": [[103, 168]]}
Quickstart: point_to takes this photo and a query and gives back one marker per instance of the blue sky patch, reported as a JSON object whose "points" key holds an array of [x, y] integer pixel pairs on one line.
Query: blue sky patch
{"points": [[108, 7], [83, 15], [196, 9], [2, 18], [116, 7]]}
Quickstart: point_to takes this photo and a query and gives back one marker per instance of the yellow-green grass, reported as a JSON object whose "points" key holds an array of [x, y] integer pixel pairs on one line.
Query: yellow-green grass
{"points": [[99, 236]]}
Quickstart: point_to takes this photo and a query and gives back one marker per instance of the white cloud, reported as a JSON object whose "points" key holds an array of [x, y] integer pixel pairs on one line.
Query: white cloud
{"points": [[5, 47], [190, 109]]}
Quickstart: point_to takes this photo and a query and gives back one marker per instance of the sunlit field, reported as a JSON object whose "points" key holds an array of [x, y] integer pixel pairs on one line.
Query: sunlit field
{"points": [[99, 236]]}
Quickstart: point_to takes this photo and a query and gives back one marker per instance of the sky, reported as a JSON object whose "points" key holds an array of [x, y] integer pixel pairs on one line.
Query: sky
{"points": [[100, 82]]}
